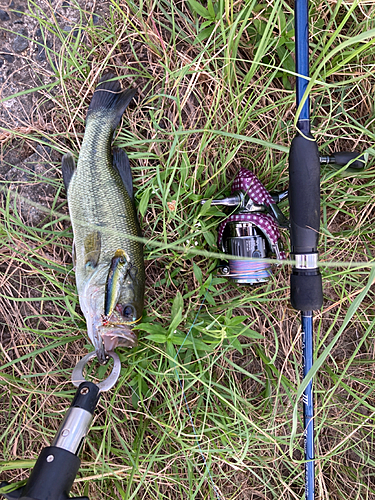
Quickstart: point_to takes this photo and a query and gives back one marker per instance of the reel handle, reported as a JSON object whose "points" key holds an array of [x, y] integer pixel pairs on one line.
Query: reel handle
{"points": [[342, 158], [304, 200]]}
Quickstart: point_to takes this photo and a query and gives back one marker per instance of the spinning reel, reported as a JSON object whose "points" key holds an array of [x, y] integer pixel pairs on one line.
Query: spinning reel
{"points": [[252, 230]]}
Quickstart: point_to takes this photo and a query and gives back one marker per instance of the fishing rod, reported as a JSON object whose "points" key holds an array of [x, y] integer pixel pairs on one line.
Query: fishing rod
{"points": [[57, 465], [252, 230], [306, 292]]}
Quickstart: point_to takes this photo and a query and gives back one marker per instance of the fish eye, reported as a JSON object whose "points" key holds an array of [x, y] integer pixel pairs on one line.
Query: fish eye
{"points": [[128, 312]]}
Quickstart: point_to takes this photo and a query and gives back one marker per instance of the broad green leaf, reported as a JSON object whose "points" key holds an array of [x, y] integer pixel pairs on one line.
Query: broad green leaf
{"points": [[204, 34], [179, 339], [152, 328], [178, 304], [200, 345], [159, 338], [235, 320], [282, 20], [285, 58], [211, 9], [206, 205], [143, 204], [237, 345], [209, 237], [251, 334], [199, 9], [198, 273], [176, 320], [172, 353]]}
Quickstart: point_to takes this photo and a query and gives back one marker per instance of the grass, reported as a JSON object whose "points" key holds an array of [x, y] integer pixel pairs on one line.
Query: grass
{"points": [[209, 404]]}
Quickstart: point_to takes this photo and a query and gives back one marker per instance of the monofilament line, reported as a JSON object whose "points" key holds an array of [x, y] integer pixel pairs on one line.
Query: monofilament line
{"points": [[218, 496]]}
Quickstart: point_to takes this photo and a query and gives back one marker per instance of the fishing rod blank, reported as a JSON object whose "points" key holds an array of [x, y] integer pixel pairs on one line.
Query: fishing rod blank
{"points": [[304, 199]]}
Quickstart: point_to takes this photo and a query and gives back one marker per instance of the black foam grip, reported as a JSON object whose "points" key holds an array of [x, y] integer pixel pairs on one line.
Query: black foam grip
{"points": [[52, 476], [306, 292], [344, 157], [304, 195]]}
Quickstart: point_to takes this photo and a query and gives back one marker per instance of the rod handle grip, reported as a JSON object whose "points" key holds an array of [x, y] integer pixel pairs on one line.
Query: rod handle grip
{"points": [[306, 291], [304, 194], [304, 200]]}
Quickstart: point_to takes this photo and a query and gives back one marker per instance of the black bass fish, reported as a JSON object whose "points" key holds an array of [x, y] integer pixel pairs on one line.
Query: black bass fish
{"points": [[109, 265]]}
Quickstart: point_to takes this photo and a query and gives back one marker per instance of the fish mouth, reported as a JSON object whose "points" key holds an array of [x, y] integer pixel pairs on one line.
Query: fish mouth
{"points": [[117, 336]]}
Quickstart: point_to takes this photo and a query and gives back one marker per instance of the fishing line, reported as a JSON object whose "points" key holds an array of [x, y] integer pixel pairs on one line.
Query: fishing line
{"points": [[193, 252], [218, 496], [250, 270], [214, 487]]}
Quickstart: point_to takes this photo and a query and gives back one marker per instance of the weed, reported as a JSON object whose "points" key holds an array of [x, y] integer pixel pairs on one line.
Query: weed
{"points": [[207, 405]]}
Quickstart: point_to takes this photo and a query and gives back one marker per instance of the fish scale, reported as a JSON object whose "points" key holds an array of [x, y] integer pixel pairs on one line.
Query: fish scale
{"points": [[97, 197], [109, 264]]}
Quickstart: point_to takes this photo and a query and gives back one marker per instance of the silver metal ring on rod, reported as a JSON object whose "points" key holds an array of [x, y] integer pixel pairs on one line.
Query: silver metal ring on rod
{"points": [[306, 261]]}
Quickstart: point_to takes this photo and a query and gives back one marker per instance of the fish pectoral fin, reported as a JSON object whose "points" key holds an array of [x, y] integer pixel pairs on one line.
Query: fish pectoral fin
{"points": [[68, 167], [92, 246], [118, 269], [121, 164]]}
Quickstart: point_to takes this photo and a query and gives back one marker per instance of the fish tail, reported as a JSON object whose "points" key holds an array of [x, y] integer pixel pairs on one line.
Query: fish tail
{"points": [[110, 97]]}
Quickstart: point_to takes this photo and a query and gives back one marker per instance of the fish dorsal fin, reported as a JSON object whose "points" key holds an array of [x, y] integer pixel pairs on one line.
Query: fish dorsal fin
{"points": [[110, 97], [121, 164], [68, 166], [92, 246]]}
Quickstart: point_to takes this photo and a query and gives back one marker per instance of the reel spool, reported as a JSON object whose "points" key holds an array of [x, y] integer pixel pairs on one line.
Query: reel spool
{"points": [[244, 239], [251, 231]]}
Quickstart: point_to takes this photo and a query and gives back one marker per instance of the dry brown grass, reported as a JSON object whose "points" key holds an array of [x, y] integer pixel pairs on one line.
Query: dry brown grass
{"points": [[196, 121]]}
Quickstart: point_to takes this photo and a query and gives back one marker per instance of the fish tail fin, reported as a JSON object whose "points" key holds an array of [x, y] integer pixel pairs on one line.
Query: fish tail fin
{"points": [[110, 97]]}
